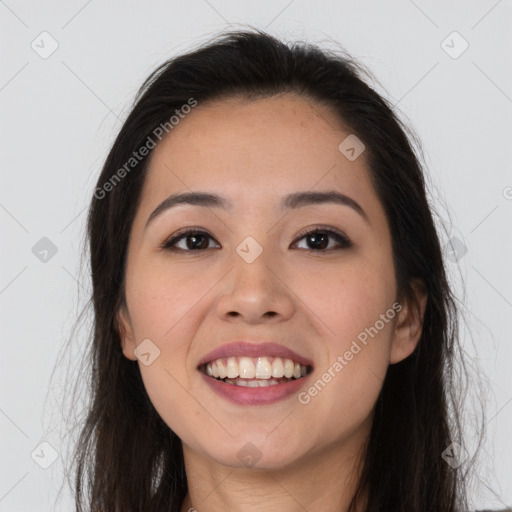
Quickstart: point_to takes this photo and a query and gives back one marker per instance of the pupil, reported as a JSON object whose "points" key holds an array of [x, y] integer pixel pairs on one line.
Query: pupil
{"points": [[316, 238], [195, 238]]}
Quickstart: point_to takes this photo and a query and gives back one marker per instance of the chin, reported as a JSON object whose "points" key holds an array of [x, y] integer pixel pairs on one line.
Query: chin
{"points": [[252, 459], [256, 452]]}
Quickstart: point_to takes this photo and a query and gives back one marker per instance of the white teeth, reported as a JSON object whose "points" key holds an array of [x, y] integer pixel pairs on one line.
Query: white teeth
{"points": [[277, 368], [263, 368], [253, 383], [222, 369], [255, 368], [231, 368], [247, 368], [289, 367]]}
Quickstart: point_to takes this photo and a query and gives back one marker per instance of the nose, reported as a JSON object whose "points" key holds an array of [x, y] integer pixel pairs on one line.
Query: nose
{"points": [[256, 292]]}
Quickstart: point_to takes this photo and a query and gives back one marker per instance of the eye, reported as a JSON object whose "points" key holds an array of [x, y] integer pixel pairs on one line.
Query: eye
{"points": [[319, 239], [194, 240]]}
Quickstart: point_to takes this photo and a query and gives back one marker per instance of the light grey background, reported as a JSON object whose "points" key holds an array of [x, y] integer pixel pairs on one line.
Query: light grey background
{"points": [[60, 114]]}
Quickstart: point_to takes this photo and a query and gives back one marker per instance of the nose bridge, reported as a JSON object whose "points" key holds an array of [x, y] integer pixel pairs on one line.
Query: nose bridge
{"points": [[252, 265], [254, 289]]}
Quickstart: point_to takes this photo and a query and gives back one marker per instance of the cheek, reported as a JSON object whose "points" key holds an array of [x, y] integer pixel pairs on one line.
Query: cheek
{"points": [[348, 298], [162, 310], [356, 307], [163, 303]]}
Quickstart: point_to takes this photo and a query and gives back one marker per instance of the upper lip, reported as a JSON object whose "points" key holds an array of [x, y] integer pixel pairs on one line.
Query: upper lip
{"points": [[251, 349]]}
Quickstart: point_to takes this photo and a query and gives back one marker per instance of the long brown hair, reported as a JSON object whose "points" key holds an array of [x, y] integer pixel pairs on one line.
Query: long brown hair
{"points": [[127, 459]]}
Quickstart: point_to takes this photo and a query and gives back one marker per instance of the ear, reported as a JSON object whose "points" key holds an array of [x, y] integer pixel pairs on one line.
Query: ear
{"points": [[409, 325], [125, 330]]}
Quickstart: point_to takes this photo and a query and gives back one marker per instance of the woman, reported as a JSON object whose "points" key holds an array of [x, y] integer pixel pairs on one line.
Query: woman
{"points": [[273, 327]]}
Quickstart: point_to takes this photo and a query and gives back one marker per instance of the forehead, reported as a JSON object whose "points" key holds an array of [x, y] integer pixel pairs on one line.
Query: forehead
{"points": [[256, 149]]}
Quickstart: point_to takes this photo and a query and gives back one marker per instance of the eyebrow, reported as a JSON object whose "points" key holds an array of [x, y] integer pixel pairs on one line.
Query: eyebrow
{"points": [[291, 201]]}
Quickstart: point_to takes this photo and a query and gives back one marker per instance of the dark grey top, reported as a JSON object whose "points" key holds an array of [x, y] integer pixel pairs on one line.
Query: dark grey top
{"points": [[501, 510]]}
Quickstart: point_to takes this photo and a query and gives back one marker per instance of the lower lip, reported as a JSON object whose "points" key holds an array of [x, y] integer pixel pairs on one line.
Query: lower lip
{"points": [[254, 396]]}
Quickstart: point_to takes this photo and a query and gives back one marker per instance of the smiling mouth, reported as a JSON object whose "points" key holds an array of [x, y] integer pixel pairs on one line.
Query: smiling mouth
{"points": [[255, 371]]}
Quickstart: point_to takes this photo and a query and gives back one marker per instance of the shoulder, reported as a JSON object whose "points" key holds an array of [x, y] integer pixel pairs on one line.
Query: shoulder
{"points": [[501, 510]]}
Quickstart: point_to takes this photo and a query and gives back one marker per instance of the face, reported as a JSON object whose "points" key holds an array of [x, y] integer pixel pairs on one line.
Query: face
{"points": [[253, 285]]}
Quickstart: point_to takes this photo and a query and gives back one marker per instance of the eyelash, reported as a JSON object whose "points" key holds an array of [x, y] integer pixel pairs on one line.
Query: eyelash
{"points": [[343, 241]]}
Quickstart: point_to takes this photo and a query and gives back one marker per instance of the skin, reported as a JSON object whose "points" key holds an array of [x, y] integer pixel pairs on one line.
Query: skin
{"points": [[254, 152]]}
